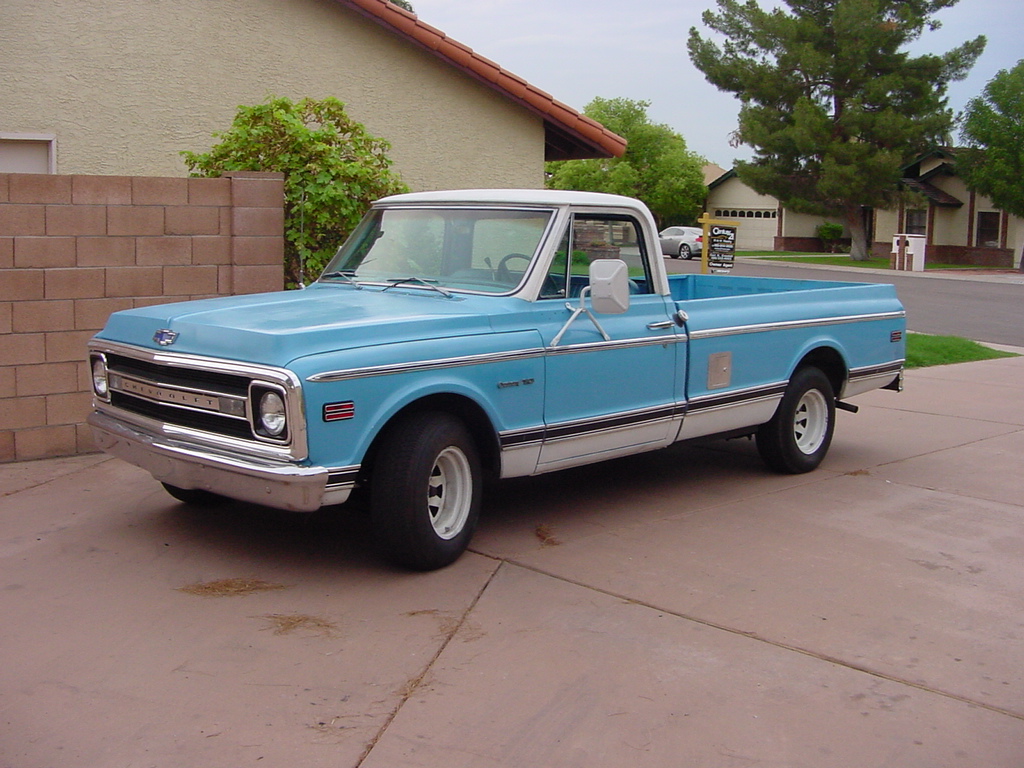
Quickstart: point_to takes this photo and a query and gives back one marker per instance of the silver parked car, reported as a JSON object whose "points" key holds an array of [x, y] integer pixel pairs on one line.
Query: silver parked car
{"points": [[681, 242]]}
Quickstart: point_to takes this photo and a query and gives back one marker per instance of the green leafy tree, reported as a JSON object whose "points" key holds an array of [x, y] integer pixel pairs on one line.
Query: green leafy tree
{"points": [[992, 126], [403, 4], [830, 102], [657, 167], [333, 170]]}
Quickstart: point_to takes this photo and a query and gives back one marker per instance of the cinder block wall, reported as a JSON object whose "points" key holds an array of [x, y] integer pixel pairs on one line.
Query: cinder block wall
{"points": [[73, 249]]}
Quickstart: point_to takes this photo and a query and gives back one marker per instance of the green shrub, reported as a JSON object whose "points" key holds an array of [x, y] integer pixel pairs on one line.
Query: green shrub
{"points": [[829, 233], [333, 170]]}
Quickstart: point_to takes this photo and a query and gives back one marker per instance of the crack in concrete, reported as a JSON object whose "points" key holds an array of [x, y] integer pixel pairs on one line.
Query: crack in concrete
{"points": [[412, 685]]}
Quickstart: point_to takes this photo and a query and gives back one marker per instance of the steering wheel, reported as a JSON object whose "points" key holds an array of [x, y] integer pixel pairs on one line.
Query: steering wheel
{"points": [[501, 272]]}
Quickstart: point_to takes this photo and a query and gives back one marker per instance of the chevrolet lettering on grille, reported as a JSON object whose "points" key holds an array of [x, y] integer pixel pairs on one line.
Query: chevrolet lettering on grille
{"points": [[165, 395]]}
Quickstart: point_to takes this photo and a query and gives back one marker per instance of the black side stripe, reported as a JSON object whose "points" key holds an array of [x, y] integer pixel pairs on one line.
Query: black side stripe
{"points": [[876, 370], [588, 426], [708, 402]]}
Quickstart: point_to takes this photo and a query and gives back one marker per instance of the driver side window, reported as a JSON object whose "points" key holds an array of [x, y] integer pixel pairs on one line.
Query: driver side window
{"points": [[596, 236]]}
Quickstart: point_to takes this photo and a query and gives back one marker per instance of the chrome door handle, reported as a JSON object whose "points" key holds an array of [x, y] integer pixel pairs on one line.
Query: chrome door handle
{"points": [[660, 325]]}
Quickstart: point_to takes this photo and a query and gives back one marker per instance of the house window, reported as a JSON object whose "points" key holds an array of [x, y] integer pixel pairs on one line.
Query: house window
{"points": [[988, 229], [27, 153], [917, 221]]}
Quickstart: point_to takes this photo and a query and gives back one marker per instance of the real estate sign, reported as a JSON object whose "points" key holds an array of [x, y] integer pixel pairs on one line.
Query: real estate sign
{"points": [[719, 240]]}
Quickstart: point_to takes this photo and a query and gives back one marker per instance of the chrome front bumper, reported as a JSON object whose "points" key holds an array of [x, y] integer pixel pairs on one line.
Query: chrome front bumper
{"points": [[246, 478]]}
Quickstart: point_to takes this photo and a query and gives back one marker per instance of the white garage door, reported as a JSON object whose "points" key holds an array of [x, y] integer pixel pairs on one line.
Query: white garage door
{"points": [[757, 227]]}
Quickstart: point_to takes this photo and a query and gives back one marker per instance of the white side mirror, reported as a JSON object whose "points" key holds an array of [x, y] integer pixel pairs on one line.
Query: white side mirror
{"points": [[609, 286]]}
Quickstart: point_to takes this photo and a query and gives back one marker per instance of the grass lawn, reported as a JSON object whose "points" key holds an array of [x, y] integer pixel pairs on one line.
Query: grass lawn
{"points": [[843, 260], [924, 350]]}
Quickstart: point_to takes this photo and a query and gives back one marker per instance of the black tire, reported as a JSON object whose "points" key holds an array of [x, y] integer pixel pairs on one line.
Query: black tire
{"points": [[685, 252], [425, 491], [195, 497], [800, 433]]}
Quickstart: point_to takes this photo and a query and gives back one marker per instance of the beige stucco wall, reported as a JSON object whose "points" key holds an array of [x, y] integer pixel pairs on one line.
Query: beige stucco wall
{"points": [[802, 224], [733, 193], [125, 86], [886, 223], [950, 224]]}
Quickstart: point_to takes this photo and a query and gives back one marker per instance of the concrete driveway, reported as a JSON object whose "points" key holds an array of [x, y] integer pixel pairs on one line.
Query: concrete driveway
{"points": [[684, 608]]}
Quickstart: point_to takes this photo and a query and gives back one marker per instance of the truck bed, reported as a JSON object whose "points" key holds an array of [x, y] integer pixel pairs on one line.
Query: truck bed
{"points": [[690, 287]]}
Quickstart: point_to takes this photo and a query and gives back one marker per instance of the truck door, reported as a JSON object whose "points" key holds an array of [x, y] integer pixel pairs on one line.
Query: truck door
{"points": [[610, 379]]}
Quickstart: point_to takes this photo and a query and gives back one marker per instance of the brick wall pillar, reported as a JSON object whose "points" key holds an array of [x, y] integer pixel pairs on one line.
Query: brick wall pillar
{"points": [[73, 249]]}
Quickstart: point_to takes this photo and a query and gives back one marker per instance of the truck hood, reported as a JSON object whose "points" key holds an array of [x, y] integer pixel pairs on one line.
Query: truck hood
{"points": [[276, 328]]}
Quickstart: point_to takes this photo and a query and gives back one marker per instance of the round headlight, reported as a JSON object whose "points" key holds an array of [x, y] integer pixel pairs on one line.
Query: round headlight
{"points": [[272, 414], [99, 377]]}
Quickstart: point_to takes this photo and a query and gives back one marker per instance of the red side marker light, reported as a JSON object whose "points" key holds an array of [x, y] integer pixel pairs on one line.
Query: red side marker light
{"points": [[339, 411]]}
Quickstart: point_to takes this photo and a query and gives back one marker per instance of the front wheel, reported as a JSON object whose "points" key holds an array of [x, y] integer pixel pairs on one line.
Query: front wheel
{"points": [[426, 491], [800, 433]]}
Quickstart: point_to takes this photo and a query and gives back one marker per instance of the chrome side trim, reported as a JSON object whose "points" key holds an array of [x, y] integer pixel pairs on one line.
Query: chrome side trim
{"points": [[713, 333], [425, 365], [485, 358], [596, 346]]}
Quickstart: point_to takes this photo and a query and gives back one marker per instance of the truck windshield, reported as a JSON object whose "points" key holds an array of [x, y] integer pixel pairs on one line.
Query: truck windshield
{"points": [[481, 250]]}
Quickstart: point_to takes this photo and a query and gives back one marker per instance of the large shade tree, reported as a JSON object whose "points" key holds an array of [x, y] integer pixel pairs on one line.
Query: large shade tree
{"points": [[992, 128], [832, 103], [657, 167]]}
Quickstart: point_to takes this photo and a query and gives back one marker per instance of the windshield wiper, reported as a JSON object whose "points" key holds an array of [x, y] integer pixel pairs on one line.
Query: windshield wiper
{"points": [[419, 281], [346, 274]]}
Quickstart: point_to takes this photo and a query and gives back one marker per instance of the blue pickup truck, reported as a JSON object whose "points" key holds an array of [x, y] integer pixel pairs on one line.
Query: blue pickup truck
{"points": [[480, 333]]}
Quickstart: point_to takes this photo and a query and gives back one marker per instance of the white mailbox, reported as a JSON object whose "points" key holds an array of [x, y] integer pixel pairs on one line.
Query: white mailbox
{"points": [[908, 252]]}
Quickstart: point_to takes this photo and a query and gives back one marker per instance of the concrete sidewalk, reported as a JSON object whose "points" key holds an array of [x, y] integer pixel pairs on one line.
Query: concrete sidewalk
{"points": [[683, 608]]}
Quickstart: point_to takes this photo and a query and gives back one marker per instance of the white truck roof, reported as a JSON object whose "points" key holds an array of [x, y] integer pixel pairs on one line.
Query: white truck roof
{"points": [[554, 197]]}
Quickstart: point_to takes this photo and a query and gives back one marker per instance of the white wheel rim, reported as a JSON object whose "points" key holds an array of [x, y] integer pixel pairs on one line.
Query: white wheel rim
{"points": [[450, 493], [810, 422]]}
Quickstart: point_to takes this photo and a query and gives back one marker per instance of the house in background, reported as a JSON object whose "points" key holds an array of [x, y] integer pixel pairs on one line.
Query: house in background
{"points": [[120, 88], [960, 226]]}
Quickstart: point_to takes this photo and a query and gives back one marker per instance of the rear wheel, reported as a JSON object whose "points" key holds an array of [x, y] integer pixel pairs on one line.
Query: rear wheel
{"points": [[685, 252], [800, 433], [426, 491]]}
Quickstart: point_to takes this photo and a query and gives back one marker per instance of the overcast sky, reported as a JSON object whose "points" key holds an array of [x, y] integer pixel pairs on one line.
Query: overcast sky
{"points": [[578, 49]]}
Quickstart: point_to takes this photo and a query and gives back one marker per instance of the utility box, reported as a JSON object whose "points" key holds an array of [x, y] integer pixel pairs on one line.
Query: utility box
{"points": [[908, 253]]}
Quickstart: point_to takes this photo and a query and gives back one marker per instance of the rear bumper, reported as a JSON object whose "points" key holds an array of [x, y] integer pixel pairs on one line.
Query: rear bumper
{"points": [[246, 478]]}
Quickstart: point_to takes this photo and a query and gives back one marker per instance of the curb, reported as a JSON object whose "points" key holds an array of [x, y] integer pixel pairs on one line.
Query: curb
{"points": [[1013, 278]]}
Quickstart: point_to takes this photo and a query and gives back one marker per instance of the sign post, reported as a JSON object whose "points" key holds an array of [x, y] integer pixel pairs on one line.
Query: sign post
{"points": [[719, 244]]}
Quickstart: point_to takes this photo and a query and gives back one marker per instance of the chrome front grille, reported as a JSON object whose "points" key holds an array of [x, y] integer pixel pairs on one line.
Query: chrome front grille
{"points": [[208, 400]]}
